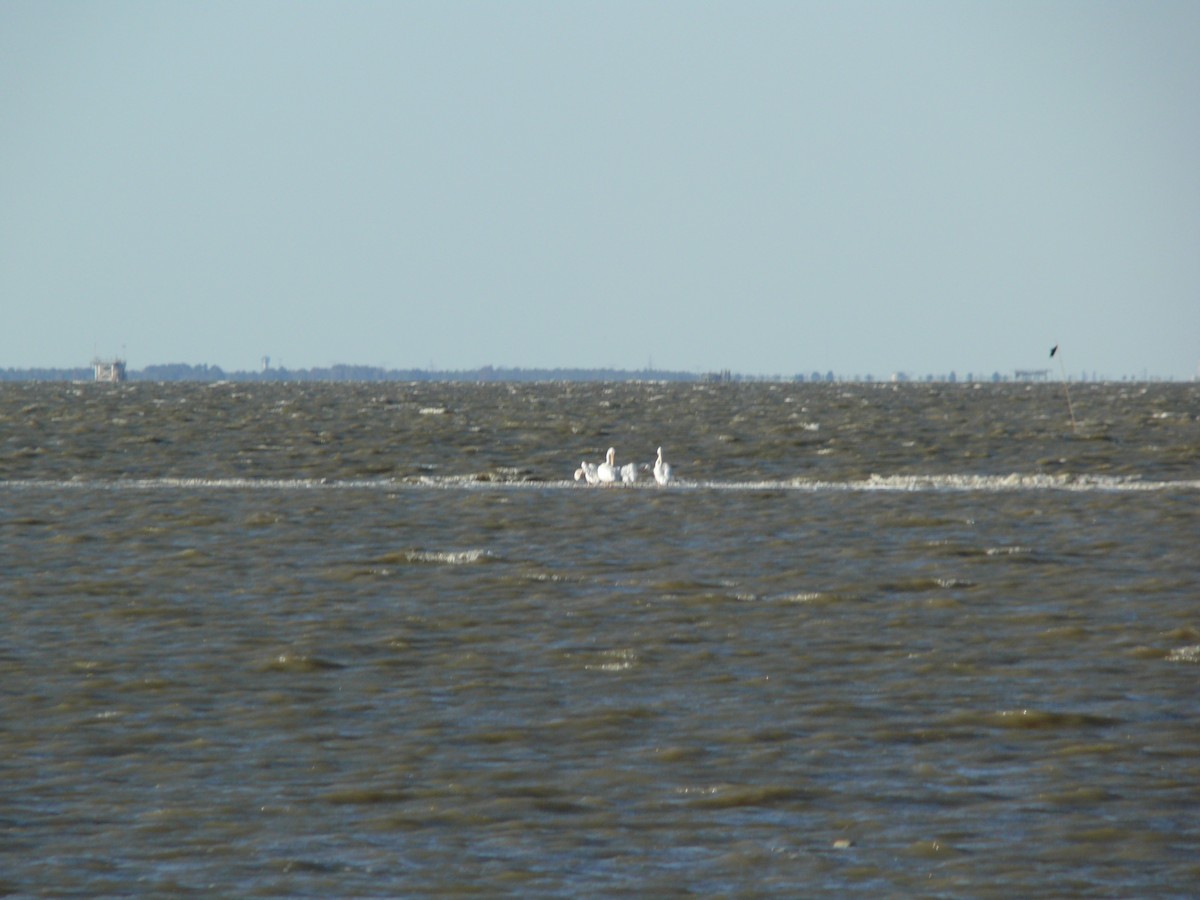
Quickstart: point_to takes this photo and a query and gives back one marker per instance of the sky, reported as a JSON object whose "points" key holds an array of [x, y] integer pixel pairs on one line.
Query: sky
{"points": [[771, 188]]}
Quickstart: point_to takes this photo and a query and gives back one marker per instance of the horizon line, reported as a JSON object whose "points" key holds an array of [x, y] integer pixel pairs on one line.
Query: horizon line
{"points": [[350, 372]]}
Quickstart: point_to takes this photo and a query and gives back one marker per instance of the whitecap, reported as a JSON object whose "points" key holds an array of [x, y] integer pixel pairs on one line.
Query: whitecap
{"points": [[450, 558], [1185, 654]]}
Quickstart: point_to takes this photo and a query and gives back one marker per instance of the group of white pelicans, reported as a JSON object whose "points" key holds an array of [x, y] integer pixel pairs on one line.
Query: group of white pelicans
{"points": [[608, 473]]}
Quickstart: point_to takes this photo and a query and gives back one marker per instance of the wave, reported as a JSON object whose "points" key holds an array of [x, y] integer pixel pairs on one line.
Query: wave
{"points": [[442, 557], [949, 483], [1005, 483], [159, 484]]}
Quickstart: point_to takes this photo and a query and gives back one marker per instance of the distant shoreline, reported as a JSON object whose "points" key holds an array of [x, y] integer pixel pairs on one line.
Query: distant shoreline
{"points": [[184, 372]]}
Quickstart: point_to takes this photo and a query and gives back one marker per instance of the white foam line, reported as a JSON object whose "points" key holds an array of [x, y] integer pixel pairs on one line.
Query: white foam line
{"points": [[876, 483], [1003, 483]]}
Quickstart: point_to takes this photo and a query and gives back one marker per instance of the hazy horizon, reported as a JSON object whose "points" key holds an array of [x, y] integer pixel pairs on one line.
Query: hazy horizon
{"points": [[348, 370]]}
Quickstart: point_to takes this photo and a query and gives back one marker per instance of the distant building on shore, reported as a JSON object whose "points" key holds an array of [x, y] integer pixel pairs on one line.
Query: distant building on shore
{"points": [[1031, 374], [109, 370]]}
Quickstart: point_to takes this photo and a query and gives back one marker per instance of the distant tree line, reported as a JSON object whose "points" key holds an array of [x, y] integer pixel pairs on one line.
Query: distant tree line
{"points": [[84, 374], [207, 373]]}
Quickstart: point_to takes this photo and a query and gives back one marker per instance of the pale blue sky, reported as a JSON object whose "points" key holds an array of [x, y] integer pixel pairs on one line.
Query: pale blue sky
{"points": [[772, 188]]}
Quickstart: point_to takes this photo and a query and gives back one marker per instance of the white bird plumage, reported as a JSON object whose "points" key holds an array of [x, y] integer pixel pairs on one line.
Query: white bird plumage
{"points": [[662, 469], [587, 471], [607, 470]]}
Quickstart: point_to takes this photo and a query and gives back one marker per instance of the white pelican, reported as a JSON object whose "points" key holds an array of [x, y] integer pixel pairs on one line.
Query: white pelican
{"points": [[662, 469], [607, 470], [629, 473], [587, 470]]}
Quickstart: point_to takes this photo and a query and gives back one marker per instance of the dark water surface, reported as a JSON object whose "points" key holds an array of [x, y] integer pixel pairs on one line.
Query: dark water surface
{"points": [[374, 640]]}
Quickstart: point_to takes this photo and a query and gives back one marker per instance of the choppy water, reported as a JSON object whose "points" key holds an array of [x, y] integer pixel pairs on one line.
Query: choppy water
{"points": [[352, 640]]}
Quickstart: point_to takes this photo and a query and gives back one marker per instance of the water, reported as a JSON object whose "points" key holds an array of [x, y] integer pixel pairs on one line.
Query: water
{"points": [[373, 640]]}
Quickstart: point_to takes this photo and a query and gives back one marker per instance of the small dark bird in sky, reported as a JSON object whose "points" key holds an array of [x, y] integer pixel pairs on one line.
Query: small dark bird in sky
{"points": [[1053, 350]]}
